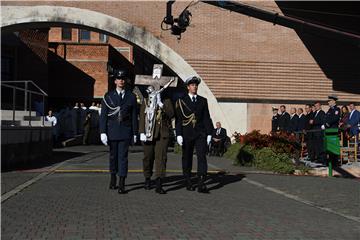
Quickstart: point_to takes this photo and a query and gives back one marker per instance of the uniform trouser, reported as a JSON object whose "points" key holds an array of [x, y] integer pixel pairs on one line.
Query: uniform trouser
{"points": [[119, 157], [155, 151], [200, 145], [318, 143]]}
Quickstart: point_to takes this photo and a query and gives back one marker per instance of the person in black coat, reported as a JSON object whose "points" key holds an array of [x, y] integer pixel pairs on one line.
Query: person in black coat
{"points": [[294, 120], [119, 127], [275, 120], [284, 119], [318, 135], [309, 140], [193, 130], [332, 119], [302, 119]]}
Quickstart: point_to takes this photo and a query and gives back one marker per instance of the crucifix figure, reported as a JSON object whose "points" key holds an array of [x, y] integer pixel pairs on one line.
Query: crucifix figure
{"points": [[154, 90]]}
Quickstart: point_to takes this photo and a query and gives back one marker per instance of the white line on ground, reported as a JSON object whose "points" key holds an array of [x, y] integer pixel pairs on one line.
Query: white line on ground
{"points": [[21, 187], [299, 199], [296, 198]]}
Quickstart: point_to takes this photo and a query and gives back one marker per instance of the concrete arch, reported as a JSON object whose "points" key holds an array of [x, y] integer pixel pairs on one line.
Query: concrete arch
{"points": [[13, 17]]}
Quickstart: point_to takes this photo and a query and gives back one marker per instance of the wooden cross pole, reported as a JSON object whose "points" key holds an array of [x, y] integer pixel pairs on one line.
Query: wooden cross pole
{"points": [[156, 80]]}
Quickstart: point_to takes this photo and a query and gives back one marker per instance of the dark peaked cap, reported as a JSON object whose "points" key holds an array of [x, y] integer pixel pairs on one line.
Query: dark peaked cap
{"points": [[333, 97]]}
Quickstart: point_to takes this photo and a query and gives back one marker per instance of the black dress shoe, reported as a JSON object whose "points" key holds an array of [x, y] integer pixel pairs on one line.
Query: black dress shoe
{"points": [[201, 185], [159, 188], [189, 185], [121, 189], [147, 184], [113, 182]]}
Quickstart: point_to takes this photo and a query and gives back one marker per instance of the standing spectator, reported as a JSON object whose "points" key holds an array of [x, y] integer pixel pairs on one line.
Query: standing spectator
{"points": [[332, 118], [275, 120], [354, 120], [309, 139], [218, 139], [302, 119], [318, 136], [93, 106], [52, 119], [343, 124], [99, 108], [87, 125], [284, 119], [294, 120], [333, 114]]}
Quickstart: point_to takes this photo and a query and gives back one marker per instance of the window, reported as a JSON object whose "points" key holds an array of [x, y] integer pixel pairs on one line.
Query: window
{"points": [[84, 35], [103, 38], [66, 34]]}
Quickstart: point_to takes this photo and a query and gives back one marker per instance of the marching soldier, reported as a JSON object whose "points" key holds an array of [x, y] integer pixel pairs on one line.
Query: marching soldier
{"points": [[156, 149], [118, 127], [193, 130]]}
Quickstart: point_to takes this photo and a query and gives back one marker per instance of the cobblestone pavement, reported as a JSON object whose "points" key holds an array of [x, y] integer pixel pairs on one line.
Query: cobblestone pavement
{"points": [[74, 202]]}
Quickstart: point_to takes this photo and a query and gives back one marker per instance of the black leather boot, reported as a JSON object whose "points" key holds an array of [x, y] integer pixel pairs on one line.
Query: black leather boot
{"points": [[113, 181], [147, 184], [159, 188], [201, 185], [122, 186], [189, 185]]}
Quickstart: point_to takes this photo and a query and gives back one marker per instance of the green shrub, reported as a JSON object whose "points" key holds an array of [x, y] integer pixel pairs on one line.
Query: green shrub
{"points": [[232, 152], [267, 159], [246, 155]]}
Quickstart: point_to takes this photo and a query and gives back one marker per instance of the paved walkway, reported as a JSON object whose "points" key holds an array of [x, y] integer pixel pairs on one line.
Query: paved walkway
{"points": [[71, 200]]}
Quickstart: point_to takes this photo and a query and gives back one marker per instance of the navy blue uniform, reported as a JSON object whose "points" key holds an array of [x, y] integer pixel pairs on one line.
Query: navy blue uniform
{"points": [[332, 117], [275, 123], [293, 123], [120, 130], [193, 135]]}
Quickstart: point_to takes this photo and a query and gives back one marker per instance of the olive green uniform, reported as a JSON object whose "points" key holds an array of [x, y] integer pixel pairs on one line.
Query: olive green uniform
{"points": [[156, 150]]}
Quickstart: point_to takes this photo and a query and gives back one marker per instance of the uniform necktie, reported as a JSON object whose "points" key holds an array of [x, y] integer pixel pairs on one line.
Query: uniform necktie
{"points": [[193, 99], [218, 131]]}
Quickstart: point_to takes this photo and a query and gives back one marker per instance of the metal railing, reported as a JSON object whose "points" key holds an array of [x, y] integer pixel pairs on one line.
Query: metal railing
{"points": [[27, 97]]}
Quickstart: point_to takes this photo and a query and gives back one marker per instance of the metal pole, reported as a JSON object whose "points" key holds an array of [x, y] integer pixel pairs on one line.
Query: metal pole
{"points": [[25, 96], [330, 169], [29, 109], [14, 102]]}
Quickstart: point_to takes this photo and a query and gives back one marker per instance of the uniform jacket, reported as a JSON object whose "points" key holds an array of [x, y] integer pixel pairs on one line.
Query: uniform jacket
{"points": [[115, 128], [332, 117], [275, 123], [293, 124], [354, 122], [163, 124], [203, 126]]}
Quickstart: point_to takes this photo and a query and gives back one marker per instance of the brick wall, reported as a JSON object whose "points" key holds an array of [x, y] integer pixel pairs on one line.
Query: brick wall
{"points": [[238, 56]]}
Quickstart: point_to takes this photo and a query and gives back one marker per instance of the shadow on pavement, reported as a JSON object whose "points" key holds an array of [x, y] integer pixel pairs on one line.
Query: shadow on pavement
{"points": [[57, 157], [214, 181]]}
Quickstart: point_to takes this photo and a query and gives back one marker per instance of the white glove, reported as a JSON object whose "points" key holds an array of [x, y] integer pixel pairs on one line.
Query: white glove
{"points": [[179, 140], [208, 140], [103, 138], [323, 127], [159, 102], [142, 137], [135, 138]]}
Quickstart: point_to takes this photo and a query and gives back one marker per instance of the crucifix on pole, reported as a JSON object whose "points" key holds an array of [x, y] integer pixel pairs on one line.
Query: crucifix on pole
{"points": [[155, 82]]}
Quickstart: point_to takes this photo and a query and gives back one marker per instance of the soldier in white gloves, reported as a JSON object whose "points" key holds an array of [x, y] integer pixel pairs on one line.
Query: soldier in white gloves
{"points": [[193, 130], [118, 128]]}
